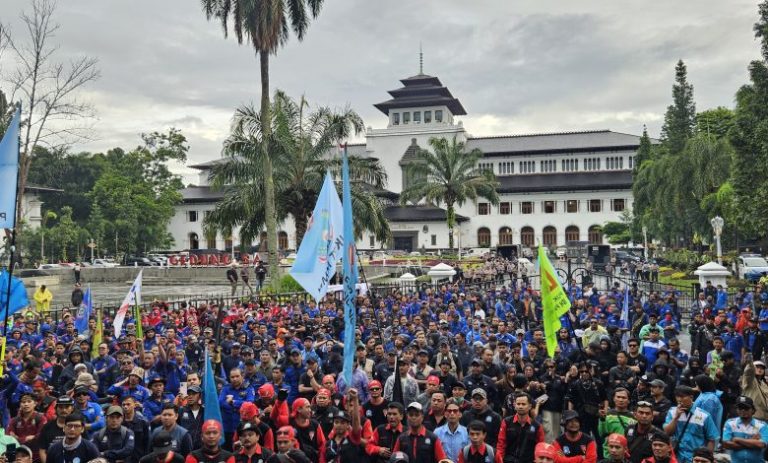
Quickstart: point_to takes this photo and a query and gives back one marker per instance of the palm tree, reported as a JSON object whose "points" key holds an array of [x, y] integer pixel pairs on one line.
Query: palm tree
{"points": [[265, 24], [299, 146], [448, 176]]}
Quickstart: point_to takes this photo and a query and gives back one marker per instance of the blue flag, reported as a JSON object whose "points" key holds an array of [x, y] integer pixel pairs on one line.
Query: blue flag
{"points": [[625, 318], [19, 298], [9, 169], [321, 246], [350, 275], [210, 396], [84, 312]]}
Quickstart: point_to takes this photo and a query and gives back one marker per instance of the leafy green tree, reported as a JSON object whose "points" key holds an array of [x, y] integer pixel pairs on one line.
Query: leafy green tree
{"points": [[680, 118], [644, 151], [749, 137], [299, 146], [617, 232], [448, 175], [716, 122], [266, 25]]}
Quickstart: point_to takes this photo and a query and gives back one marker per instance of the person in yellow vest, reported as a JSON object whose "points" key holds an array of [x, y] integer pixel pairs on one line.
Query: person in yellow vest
{"points": [[43, 297]]}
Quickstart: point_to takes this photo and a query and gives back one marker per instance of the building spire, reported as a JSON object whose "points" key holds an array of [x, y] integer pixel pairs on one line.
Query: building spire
{"points": [[421, 60]]}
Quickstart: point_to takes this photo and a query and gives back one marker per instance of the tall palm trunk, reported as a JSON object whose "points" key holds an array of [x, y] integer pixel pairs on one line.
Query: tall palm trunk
{"points": [[451, 219], [269, 182]]}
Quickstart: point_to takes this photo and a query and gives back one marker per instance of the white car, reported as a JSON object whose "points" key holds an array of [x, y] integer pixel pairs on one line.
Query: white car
{"points": [[561, 252], [49, 266], [523, 263], [415, 254], [380, 255], [104, 263]]}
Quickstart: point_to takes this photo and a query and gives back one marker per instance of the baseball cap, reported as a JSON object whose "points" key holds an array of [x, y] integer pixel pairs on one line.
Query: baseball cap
{"points": [[660, 437], [28, 451], [247, 426], [208, 424], [248, 411], [658, 383], [342, 415], [758, 363], [476, 361], [432, 379], [115, 410], [194, 390], [399, 457], [416, 406], [374, 383], [480, 392], [162, 442], [65, 400], [744, 401]]}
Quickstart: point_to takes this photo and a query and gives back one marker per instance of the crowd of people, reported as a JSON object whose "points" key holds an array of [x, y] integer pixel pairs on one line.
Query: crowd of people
{"points": [[455, 373]]}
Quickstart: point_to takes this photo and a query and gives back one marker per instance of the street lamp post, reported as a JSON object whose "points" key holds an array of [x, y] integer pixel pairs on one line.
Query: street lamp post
{"points": [[645, 242], [717, 226]]}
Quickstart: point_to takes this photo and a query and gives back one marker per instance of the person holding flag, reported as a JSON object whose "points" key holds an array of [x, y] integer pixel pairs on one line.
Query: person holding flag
{"points": [[133, 298]]}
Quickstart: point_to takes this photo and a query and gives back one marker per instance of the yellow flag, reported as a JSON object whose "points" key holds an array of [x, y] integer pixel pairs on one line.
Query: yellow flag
{"points": [[553, 300], [97, 336], [2, 354]]}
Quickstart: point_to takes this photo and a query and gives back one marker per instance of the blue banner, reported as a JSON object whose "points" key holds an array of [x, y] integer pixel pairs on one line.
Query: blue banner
{"points": [[84, 312], [212, 410], [19, 298], [321, 246], [350, 274], [9, 169]]}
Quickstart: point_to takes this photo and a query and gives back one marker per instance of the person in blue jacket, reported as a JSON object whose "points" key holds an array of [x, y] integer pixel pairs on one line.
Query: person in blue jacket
{"points": [[91, 411], [153, 406], [231, 399]]}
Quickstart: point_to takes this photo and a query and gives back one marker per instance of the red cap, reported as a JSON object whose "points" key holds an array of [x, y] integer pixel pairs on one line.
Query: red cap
{"points": [[545, 450], [323, 392], [374, 383], [297, 404], [248, 411], [287, 431], [432, 379], [617, 439], [267, 391], [208, 424]]}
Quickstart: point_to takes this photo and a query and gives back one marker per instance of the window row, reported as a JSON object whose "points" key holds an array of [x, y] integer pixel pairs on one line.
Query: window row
{"points": [[551, 207], [614, 163], [506, 168], [565, 165], [592, 164], [485, 166], [417, 117], [549, 165], [194, 216], [528, 236], [193, 241]]}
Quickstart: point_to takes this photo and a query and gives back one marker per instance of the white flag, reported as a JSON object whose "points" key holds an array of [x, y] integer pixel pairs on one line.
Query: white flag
{"points": [[133, 298]]}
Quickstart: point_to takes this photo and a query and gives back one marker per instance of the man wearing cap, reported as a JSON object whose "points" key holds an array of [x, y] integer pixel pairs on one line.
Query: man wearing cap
{"points": [[574, 446], [745, 437], [444, 354], [53, 431], [191, 415], [661, 404], [418, 442], [211, 451], [375, 408], [344, 441], [74, 447], [432, 386], [755, 386], [481, 411], [28, 424], [477, 380], [231, 398], [662, 450], [153, 406], [691, 427], [135, 421], [324, 410], [91, 411], [115, 442]]}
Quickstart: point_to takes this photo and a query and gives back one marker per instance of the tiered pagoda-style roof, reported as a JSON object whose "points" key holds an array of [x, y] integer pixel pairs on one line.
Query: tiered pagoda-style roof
{"points": [[420, 91]]}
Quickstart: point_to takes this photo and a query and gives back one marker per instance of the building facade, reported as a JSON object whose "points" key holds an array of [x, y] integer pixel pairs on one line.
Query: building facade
{"points": [[554, 187]]}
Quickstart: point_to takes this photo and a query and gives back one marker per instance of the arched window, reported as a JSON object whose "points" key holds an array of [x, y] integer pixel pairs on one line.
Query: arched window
{"points": [[194, 241], [484, 238], [526, 236], [549, 237], [505, 236], [282, 240], [595, 235], [572, 233]]}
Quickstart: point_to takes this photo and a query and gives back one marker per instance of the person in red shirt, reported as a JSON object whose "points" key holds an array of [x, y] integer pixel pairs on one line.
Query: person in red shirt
{"points": [[309, 434], [574, 446], [662, 449], [28, 424], [379, 447], [251, 451], [477, 451], [519, 434], [344, 443], [420, 444], [545, 453]]}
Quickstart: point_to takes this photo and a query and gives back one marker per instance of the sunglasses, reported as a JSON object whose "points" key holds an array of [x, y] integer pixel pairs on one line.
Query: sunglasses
{"points": [[375, 389], [644, 403]]}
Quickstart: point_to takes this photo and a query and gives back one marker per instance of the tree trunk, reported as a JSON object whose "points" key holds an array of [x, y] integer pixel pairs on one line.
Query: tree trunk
{"points": [[451, 219], [269, 182], [300, 221]]}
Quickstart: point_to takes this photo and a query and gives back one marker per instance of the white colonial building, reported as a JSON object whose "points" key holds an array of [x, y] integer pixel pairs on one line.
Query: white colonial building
{"points": [[554, 187]]}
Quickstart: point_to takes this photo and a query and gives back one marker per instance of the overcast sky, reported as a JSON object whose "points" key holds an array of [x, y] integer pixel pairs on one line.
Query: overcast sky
{"points": [[517, 66]]}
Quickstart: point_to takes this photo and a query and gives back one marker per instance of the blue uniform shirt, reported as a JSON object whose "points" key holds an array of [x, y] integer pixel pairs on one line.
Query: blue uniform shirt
{"points": [[735, 427]]}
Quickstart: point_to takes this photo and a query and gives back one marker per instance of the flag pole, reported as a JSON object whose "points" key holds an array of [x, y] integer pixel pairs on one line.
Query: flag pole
{"points": [[13, 243]]}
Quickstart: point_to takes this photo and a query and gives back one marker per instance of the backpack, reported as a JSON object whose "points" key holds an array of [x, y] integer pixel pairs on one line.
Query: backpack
{"points": [[490, 453], [103, 431]]}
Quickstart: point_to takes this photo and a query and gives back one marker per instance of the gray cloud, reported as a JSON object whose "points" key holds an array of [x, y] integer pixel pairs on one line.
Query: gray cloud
{"points": [[520, 66]]}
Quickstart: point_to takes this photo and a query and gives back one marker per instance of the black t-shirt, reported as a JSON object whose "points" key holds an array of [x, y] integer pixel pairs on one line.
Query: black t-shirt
{"points": [[50, 434], [376, 413], [307, 382]]}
